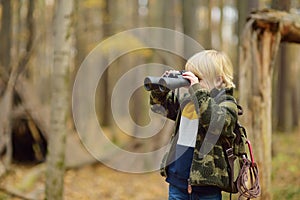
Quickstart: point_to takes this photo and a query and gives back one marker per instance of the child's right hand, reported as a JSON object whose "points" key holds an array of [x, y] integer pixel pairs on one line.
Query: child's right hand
{"points": [[191, 77]]}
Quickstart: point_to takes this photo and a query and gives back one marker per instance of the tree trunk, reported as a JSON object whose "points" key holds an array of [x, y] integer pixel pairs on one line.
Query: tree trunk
{"points": [[262, 35], [5, 120], [244, 9], [6, 101], [285, 106], [203, 11], [285, 93], [281, 5], [294, 84], [17, 66], [5, 33], [59, 104], [189, 19], [220, 25]]}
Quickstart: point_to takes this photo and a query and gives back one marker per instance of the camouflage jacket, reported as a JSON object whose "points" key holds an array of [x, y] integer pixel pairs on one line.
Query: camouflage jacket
{"points": [[217, 113]]}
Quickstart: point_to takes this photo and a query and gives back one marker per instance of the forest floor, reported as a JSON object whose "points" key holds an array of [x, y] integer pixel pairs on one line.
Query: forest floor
{"points": [[97, 181], [286, 165]]}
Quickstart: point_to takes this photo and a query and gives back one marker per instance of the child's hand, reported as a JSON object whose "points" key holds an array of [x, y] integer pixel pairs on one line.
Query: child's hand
{"points": [[194, 79], [191, 77]]}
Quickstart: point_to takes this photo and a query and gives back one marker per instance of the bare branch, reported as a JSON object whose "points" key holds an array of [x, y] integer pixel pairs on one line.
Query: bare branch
{"points": [[287, 24]]}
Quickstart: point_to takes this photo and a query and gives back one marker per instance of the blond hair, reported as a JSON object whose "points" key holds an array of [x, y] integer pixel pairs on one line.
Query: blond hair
{"points": [[211, 64]]}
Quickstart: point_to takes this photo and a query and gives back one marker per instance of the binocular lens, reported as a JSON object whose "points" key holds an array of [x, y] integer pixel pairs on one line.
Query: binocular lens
{"points": [[151, 83]]}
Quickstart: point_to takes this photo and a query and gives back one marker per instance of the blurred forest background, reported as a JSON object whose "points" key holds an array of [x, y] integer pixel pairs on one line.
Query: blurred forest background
{"points": [[44, 42]]}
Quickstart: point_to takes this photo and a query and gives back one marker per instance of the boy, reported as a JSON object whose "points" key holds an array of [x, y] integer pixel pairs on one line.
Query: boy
{"points": [[195, 165]]}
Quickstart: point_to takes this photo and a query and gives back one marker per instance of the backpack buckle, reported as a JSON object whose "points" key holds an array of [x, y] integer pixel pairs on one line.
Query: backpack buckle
{"points": [[229, 152]]}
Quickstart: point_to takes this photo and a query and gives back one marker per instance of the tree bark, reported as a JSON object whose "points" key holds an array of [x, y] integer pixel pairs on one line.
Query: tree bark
{"points": [[244, 9], [5, 33], [5, 120], [107, 31], [6, 101], [260, 41], [204, 10], [59, 102], [18, 66], [285, 93], [189, 19], [289, 28]]}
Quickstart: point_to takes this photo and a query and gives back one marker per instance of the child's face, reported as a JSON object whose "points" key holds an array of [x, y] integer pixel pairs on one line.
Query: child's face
{"points": [[205, 84], [210, 84]]}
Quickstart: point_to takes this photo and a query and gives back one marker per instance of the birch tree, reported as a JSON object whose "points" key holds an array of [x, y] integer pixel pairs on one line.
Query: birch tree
{"points": [[59, 104]]}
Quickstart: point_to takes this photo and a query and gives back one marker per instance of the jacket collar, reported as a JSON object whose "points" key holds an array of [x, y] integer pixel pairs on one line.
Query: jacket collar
{"points": [[216, 93]]}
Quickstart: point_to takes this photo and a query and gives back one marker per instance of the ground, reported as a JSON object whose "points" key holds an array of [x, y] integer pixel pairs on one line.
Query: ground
{"points": [[286, 166], [100, 182], [105, 183]]}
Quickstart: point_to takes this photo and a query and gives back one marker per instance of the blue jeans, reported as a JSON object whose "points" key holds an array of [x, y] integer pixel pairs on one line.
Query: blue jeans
{"points": [[179, 194]]}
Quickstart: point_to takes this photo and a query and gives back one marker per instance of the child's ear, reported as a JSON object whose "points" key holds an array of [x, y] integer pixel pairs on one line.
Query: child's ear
{"points": [[219, 81]]}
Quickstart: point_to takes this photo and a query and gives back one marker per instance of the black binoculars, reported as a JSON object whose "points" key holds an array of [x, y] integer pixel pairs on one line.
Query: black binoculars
{"points": [[169, 82]]}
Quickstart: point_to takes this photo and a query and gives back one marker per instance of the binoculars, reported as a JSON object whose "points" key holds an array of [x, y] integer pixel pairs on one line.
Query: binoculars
{"points": [[170, 82]]}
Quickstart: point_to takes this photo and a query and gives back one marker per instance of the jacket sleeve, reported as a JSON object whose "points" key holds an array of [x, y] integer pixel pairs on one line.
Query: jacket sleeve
{"points": [[217, 117], [164, 103]]}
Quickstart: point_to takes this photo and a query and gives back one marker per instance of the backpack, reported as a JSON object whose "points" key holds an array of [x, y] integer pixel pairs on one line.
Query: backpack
{"points": [[240, 166]]}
